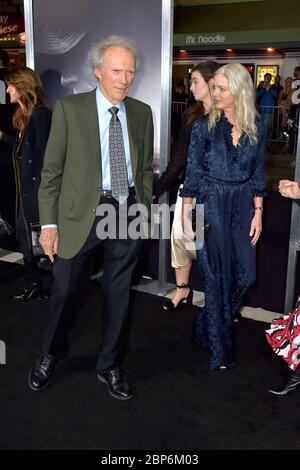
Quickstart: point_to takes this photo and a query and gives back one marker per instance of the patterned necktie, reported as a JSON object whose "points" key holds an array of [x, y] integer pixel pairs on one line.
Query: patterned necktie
{"points": [[118, 168]]}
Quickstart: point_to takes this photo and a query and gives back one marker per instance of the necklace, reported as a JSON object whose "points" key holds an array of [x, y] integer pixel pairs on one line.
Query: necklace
{"points": [[235, 131], [235, 134]]}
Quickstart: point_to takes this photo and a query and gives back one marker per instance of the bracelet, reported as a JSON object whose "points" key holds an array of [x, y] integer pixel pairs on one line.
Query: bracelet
{"points": [[258, 208]]}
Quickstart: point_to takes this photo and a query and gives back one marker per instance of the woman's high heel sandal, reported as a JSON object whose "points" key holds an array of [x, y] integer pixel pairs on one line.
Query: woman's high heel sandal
{"points": [[168, 304]]}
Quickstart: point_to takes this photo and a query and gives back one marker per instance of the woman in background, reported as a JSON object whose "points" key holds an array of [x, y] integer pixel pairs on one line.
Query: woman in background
{"points": [[286, 330], [32, 120], [285, 101], [182, 258], [285, 95]]}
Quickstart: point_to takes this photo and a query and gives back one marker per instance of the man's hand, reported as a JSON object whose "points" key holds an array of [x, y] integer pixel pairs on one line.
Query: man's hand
{"points": [[49, 240]]}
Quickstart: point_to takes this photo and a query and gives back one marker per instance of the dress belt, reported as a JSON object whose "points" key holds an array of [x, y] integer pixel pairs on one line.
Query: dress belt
{"points": [[218, 180]]}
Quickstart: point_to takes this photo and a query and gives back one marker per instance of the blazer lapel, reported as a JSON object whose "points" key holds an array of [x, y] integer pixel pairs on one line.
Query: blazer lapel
{"points": [[132, 132], [92, 127]]}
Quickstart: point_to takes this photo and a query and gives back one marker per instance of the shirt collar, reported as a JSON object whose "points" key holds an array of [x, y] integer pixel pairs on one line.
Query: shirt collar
{"points": [[104, 104]]}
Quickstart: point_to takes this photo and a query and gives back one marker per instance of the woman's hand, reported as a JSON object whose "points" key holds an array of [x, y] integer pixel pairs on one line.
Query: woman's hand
{"points": [[256, 227], [289, 189], [187, 227]]}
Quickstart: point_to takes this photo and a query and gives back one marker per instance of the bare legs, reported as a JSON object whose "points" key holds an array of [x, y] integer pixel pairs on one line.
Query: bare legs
{"points": [[182, 274]]}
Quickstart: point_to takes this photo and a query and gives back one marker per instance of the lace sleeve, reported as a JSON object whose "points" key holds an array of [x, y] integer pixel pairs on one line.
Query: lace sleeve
{"points": [[196, 147], [257, 182]]}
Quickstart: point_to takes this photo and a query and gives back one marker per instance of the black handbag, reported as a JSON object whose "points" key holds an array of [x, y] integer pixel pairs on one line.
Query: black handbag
{"points": [[5, 229], [37, 249]]}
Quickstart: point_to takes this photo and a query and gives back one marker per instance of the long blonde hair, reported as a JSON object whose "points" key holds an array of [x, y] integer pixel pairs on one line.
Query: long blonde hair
{"points": [[241, 87], [32, 94]]}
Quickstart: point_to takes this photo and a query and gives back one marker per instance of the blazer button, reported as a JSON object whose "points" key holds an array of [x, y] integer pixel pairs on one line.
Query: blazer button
{"points": [[29, 161], [34, 178]]}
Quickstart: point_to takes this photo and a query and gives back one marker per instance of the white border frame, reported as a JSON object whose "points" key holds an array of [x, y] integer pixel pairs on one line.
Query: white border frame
{"points": [[28, 17], [165, 125]]}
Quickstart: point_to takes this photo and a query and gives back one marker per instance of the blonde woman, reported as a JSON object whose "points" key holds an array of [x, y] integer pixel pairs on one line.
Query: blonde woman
{"points": [[225, 172]]}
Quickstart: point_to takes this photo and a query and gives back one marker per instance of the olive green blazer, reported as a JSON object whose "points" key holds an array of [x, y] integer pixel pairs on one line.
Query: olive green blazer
{"points": [[71, 180]]}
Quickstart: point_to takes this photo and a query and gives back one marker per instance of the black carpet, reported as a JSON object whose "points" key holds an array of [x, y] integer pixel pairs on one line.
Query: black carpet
{"points": [[178, 404]]}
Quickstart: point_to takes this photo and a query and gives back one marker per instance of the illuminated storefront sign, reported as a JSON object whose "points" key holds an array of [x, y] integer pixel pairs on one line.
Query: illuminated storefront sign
{"points": [[238, 37], [10, 27]]}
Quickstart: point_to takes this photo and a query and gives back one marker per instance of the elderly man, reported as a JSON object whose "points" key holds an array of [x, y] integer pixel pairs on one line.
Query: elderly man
{"points": [[99, 152]]}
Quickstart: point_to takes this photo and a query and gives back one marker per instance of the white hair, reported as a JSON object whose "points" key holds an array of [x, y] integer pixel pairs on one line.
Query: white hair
{"points": [[98, 51]]}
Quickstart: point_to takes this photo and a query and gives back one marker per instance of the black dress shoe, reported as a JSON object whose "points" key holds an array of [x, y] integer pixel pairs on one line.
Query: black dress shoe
{"points": [[291, 385], [116, 383], [31, 292], [41, 372]]}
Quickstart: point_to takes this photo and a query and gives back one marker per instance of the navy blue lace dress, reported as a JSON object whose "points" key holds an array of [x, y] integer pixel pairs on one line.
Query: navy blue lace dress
{"points": [[224, 178]]}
